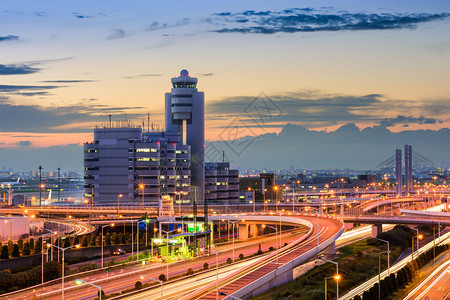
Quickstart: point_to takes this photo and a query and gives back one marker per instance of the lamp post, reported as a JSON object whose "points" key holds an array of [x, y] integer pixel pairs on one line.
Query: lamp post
{"points": [[418, 237], [276, 198], [217, 270], [167, 243], [379, 273], [337, 276], [233, 222], [254, 200], [118, 199], [160, 282], [112, 225], [80, 281], [276, 238], [64, 249], [388, 252], [142, 188], [47, 246]]}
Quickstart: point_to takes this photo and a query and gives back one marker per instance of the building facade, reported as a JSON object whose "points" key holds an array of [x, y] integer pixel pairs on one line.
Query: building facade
{"points": [[221, 183], [124, 165]]}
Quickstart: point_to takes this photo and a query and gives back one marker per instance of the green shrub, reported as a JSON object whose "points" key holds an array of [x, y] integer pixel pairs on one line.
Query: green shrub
{"points": [[205, 266], [229, 260], [15, 252], [190, 272], [138, 285], [162, 277], [5, 252], [241, 256]]}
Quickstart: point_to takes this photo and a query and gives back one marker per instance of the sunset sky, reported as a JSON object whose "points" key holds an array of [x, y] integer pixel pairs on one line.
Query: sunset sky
{"points": [[66, 65]]}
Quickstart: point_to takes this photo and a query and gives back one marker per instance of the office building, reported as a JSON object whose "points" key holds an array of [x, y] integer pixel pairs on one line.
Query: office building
{"points": [[140, 167], [264, 186], [221, 183]]}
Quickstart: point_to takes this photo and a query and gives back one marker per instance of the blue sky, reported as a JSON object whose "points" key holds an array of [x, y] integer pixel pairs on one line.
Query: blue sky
{"points": [[66, 65]]}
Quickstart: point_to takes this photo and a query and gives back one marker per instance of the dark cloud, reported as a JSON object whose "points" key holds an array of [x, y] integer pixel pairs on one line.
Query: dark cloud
{"points": [[206, 74], [389, 122], [346, 147], [310, 20], [23, 143], [18, 88], [142, 75], [313, 109], [9, 38], [17, 69], [33, 94], [33, 118], [67, 81], [81, 16], [116, 34]]}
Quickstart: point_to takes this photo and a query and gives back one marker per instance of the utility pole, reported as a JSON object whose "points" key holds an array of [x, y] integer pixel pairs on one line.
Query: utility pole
{"points": [[40, 185], [59, 182]]}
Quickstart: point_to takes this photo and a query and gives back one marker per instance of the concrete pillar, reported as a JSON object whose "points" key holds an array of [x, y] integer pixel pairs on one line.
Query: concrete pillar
{"points": [[330, 250], [376, 230], [243, 231], [253, 230]]}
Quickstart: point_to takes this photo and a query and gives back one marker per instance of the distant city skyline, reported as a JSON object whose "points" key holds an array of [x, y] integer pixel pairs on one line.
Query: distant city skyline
{"points": [[321, 84]]}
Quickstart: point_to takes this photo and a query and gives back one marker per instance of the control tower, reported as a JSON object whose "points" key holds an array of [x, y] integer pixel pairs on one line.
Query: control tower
{"points": [[185, 113]]}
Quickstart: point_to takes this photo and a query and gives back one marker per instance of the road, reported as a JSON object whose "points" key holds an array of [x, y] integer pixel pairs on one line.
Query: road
{"points": [[153, 270], [182, 287], [437, 284], [328, 227]]}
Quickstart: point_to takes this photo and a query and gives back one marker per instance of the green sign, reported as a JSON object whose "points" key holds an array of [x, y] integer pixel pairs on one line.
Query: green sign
{"points": [[107, 270]]}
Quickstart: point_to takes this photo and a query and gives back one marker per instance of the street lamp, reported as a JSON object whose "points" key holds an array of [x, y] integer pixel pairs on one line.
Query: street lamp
{"points": [[276, 198], [254, 200], [276, 238], [142, 188], [418, 237], [118, 199], [388, 252], [64, 249], [167, 244], [112, 225], [233, 222], [379, 273], [47, 246], [217, 270], [143, 276], [80, 281], [337, 276]]}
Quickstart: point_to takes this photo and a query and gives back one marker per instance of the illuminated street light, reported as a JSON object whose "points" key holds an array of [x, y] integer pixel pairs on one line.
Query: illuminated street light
{"points": [[80, 281], [112, 225], [143, 276], [337, 276], [64, 249]]}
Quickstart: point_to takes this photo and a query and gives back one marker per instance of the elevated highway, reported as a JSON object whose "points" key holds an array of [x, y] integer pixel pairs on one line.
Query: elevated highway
{"points": [[277, 268]]}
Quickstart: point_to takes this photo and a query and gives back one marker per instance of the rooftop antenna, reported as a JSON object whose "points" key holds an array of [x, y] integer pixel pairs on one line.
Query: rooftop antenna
{"points": [[148, 122], [110, 125]]}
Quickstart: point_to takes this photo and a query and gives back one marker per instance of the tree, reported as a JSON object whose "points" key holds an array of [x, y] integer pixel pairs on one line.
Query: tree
{"points": [[138, 285], [108, 239], [26, 249], [15, 252], [357, 297], [10, 247], [31, 241], [99, 239], [84, 241], [92, 241], [38, 246], [20, 243], [67, 242], [102, 292], [5, 252], [116, 238], [76, 239]]}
